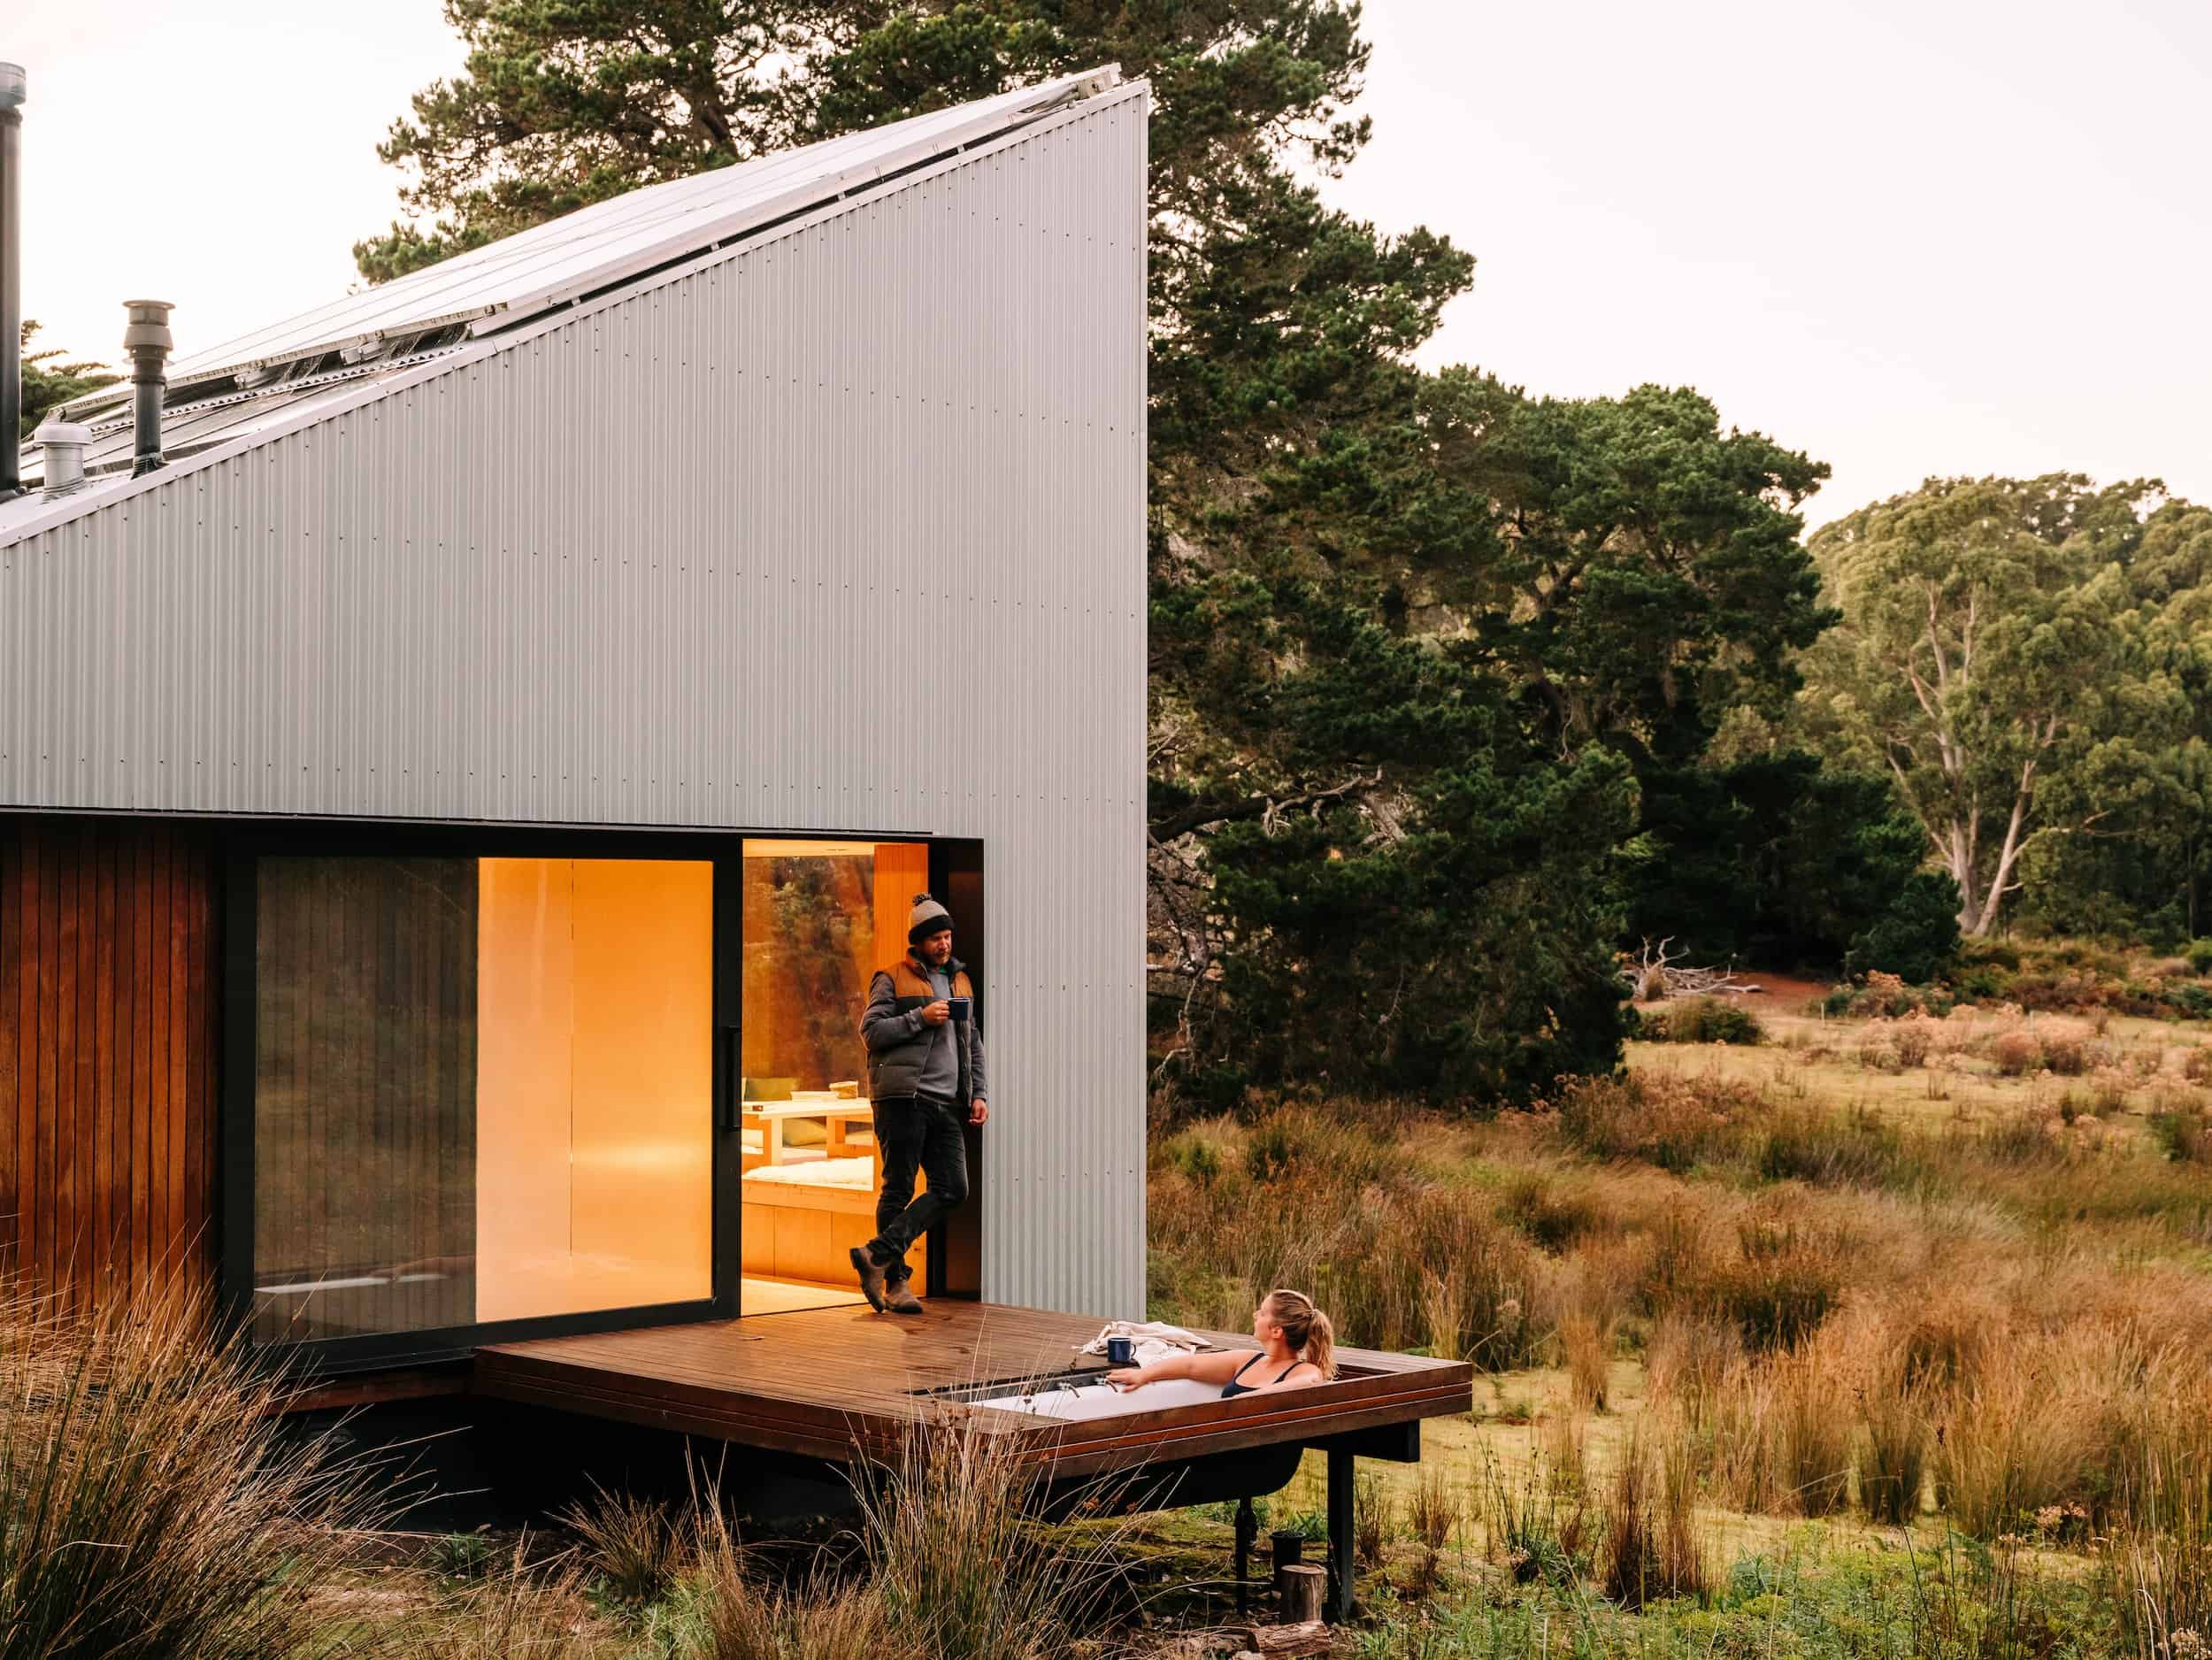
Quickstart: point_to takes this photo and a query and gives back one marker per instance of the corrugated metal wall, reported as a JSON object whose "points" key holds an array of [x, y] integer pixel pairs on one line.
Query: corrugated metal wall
{"points": [[840, 531]]}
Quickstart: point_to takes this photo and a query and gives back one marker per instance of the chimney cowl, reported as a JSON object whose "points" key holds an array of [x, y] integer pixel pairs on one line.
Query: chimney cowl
{"points": [[62, 445], [13, 86]]}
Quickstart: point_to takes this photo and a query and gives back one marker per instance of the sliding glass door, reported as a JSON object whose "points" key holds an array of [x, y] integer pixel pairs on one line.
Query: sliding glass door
{"points": [[483, 1090]]}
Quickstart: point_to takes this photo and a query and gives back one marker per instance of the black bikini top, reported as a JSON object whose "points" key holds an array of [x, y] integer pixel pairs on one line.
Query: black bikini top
{"points": [[1233, 1387]]}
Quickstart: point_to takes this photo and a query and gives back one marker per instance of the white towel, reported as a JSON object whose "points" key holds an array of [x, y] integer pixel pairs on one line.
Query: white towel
{"points": [[1152, 1340]]}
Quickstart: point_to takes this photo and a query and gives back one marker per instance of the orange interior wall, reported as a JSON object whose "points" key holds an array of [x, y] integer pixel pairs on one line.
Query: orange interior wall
{"points": [[595, 1073], [902, 871]]}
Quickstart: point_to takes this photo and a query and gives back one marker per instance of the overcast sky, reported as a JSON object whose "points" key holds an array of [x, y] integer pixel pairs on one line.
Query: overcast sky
{"points": [[1908, 236]]}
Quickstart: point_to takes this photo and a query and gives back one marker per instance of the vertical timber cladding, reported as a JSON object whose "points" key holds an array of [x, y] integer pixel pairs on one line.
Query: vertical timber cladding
{"points": [[108, 1036]]}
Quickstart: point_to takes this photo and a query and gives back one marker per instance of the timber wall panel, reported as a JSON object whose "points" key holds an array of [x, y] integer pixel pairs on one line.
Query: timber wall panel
{"points": [[108, 1045]]}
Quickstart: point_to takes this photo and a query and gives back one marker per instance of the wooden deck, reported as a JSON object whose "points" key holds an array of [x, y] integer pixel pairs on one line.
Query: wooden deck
{"points": [[825, 1382]]}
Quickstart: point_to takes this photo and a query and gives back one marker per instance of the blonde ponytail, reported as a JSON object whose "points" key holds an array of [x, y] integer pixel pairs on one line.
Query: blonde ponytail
{"points": [[1305, 1328], [1321, 1344]]}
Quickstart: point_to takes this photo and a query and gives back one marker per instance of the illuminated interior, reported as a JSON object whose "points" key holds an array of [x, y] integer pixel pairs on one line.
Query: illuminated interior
{"points": [[819, 919], [484, 1088], [594, 1169]]}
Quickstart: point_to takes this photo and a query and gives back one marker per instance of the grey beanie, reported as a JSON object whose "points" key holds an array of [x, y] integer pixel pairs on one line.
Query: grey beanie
{"points": [[928, 917]]}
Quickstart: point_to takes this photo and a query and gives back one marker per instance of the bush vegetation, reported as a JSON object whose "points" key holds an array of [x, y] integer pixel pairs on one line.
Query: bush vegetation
{"points": [[1838, 1310], [1698, 1020]]}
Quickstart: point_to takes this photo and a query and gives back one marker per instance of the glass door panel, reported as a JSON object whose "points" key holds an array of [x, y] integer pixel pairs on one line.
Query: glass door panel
{"points": [[483, 1090]]}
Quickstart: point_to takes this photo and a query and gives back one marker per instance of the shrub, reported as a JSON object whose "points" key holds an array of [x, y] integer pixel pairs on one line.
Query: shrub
{"points": [[1885, 994], [1197, 1157], [2189, 1001], [1981, 982], [2200, 956], [1702, 1020], [2065, 1053], [152, 1508], [2015, 1054], [1918, 934], [2196, 1063], [2184, 1137]]}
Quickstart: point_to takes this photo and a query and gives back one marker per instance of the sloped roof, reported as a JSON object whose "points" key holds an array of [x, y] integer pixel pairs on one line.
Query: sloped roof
{"points": [[551, 264], [278, 374]]}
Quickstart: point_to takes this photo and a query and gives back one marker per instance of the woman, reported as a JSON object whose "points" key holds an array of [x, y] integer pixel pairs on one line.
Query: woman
{"points": [[1297, 1347]]}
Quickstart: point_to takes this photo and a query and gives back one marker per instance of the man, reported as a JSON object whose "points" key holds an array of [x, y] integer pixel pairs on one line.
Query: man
{"points": [[926, 1080]]}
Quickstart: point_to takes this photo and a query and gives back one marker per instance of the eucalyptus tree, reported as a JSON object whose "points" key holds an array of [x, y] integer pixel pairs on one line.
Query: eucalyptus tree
{"points": [[1990, 660]]}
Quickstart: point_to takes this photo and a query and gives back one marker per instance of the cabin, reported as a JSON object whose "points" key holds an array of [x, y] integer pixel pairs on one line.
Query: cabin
{"points": [[463, 751]]}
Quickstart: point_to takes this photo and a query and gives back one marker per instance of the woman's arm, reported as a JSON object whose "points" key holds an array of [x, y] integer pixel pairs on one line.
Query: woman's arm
{"points": [[1299, 1375], [1214, 1366]]}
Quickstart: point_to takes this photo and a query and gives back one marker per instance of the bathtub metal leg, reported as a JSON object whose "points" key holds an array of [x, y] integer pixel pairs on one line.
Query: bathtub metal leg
{"points": [[1340, 1464]]}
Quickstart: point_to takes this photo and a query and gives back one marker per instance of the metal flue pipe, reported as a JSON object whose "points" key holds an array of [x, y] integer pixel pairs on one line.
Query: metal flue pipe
{"points": [[147, 341], [13, 91]]}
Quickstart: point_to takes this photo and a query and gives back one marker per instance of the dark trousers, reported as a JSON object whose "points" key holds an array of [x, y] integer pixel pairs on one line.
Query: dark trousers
{"points": [[912, 1134]]}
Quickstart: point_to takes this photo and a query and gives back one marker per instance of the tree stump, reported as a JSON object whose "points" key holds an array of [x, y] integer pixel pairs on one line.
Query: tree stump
{"points": [[1300, 1587]]}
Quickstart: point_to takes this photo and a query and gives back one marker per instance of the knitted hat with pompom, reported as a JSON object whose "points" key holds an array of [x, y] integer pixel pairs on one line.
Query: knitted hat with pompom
{"points": [[928, 917]]}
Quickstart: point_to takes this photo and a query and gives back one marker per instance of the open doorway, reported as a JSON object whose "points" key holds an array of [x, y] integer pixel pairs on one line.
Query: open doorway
{"points": [[819, 919]]}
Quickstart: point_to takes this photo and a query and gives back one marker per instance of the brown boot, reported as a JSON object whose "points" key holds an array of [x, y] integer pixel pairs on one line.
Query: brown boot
{"points": [[870, 1273], [899, 1297]]}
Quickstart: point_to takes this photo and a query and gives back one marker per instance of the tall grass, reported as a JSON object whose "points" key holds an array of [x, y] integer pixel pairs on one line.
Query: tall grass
{"points": [[1651, 1547], [956, 1558], [1589, 1346], [1893, 1456], [636, 1545], [737, 1617], [514, 1613], [2159, 1562], [148, 1506]]}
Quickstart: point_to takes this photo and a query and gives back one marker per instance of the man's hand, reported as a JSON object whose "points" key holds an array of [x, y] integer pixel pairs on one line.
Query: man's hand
{"points": [[980, 1113], [935, 1013]]}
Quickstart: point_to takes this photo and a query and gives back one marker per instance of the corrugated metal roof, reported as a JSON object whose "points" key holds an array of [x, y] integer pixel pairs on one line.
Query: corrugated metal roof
{"points": [[551, 264], [190, 427]]}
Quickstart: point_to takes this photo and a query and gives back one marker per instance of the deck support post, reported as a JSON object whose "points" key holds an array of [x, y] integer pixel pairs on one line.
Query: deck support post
{"points": [[1248, 1530], [1340, 1466]]}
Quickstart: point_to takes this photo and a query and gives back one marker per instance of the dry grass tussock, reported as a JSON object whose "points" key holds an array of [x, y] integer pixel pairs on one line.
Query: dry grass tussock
{"points": [[156, 1507], [150, 1510], [1838, 1310]]}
